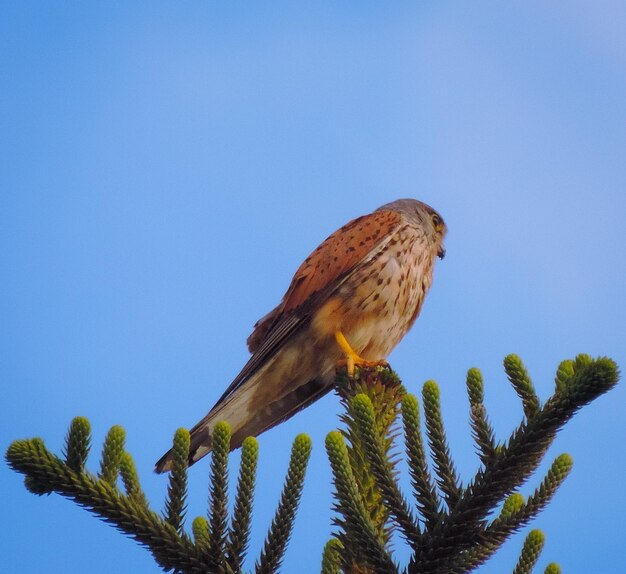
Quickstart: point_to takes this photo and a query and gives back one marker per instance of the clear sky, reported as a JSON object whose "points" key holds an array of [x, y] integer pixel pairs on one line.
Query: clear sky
{"points": [[165, 167]]}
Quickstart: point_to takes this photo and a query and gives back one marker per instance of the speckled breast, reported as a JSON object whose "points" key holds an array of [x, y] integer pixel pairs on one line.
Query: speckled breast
{"points": [[380, 301]]}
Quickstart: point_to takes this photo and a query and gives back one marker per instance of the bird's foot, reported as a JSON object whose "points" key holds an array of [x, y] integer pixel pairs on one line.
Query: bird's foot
{"points": [[352, 359]]}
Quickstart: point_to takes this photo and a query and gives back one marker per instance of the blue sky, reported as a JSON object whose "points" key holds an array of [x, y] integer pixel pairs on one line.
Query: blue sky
{"points": [[165, 168]]}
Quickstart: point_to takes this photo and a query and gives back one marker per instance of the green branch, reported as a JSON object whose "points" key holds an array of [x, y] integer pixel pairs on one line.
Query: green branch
{"points": [[218, 499], [450, 529], [447, 478], [463, 537], [361, 532], [172, 548], [516, 461], [280, 531], [424, 489], [362, 410], [177, 491], [239, 533]]}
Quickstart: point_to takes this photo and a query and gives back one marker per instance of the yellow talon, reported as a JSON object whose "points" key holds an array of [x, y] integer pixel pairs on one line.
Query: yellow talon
{"points": [[352, 358]]}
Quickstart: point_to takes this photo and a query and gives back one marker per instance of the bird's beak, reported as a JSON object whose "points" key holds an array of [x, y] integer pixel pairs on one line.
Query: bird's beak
{"points": [[442, 252]]}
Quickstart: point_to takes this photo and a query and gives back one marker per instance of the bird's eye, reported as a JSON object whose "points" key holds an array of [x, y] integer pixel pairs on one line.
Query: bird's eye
{"points": [[437, 221]]}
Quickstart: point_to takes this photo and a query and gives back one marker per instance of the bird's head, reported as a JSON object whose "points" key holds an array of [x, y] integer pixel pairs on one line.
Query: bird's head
{"points": [[425, 217]]}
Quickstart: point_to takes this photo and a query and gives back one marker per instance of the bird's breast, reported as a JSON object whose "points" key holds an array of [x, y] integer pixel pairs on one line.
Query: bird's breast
{"points": [[378, 303]]}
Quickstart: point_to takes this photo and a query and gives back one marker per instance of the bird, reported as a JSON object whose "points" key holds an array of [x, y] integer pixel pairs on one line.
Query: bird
{"points": [[350, 302]]}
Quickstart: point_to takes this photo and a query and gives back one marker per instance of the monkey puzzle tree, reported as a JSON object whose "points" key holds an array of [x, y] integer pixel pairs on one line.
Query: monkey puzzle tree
{"points": [[449, 526]]}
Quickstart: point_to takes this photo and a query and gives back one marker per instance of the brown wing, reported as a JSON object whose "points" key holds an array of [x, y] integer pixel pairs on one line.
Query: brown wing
{"points": [[332, 260], [320, 274], [338, 255]]}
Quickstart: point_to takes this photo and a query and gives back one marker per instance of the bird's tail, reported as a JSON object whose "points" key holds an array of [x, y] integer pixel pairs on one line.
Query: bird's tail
{"points": [[248, 417]]}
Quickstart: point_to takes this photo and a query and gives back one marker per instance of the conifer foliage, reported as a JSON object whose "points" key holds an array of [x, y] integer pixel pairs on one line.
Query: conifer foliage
{"points": [[215, 546], [450, 526]]}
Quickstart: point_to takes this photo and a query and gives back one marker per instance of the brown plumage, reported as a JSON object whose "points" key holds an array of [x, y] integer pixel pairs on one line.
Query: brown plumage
{"points": [[367, 282]]}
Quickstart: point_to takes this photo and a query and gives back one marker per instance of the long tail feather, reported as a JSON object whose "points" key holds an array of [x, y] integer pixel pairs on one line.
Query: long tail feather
{"points": [[245, 421]]}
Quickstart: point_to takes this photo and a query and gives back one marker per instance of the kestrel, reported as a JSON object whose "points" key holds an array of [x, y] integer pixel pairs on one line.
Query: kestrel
{"points": [[353, 298]]}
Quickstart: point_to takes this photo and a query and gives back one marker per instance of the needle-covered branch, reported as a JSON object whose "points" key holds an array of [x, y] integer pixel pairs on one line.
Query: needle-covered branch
{"points": [[361, 535], [177, 490], [280, 531], [239, 533], [464, 536], [362, 410], [424, 489], [447, 478], [482, 431], [450, 529], [173, 549], [331, 558], [533, 545], [218, 498], [516, 461]]}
